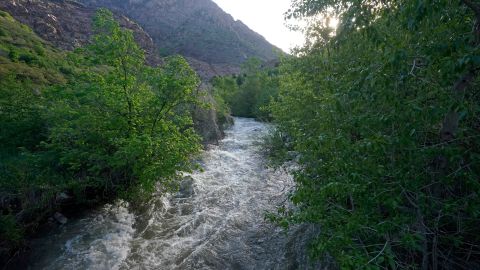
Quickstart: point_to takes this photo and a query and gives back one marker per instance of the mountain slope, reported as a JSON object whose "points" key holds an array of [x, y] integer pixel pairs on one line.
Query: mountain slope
{"points": [[67, 24], [194, 28]]}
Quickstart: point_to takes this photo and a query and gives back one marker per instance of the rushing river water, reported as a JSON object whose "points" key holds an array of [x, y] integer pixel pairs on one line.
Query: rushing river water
{"points": [[216, 223]]}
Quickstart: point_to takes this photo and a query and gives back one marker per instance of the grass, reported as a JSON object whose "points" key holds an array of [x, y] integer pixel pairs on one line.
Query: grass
{"points": [[26, 55], [28, 64]]}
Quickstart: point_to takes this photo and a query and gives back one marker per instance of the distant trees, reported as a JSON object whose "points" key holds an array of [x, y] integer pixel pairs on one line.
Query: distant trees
{"points": [[247, 94]]}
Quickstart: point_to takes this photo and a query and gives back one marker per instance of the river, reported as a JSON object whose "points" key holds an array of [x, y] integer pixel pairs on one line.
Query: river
{"points": [[216, 223]]}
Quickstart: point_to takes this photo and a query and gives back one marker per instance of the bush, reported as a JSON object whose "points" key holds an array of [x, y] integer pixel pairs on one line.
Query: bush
{"points": [[39, 49], [10, 231], [28, 58], [13, 55], [67, 70], [248, 94]]}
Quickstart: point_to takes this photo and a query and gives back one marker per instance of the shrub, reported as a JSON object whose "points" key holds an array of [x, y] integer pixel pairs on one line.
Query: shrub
{"points": [[67, 70], [39, 49], [13, 55], [9, 230], [28, 58]]}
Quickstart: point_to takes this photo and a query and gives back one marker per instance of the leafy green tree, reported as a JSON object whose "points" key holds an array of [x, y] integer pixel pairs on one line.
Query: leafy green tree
{"points": [[123, 122], [93, 123], [384, 116], [247, 95]]}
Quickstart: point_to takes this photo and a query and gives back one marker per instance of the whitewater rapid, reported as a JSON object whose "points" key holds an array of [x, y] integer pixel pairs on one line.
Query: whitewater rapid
{"points": [[216, 222]]}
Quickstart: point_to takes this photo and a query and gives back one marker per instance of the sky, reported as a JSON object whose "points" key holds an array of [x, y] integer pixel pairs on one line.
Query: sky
{"points": [[265, 17]]}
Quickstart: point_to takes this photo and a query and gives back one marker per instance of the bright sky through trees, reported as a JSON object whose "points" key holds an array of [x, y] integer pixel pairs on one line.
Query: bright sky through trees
{"points": [[266, 17]]}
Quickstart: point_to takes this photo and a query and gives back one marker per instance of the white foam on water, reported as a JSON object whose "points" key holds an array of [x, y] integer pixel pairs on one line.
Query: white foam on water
{"points": [[232, 194], [101, 241], [221, 226]]}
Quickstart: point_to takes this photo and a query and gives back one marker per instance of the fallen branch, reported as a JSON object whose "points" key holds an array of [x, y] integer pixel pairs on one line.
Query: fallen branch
{"points": [[378, 255]]}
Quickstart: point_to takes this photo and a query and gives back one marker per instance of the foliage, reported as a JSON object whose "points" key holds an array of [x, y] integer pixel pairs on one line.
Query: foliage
{"points": [[125, 122], [27, 66], [385, 118], [26, 57], [248, 94], [9, 230], [102, 123]]}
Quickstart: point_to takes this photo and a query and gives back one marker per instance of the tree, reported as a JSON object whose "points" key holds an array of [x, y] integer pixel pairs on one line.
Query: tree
{"points": [[248, 94], [123, 123], [94, 124], [366, 110]]}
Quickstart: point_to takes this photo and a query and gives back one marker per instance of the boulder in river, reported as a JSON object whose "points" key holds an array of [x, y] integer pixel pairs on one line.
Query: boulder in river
{"points": [[63, 198], [186, 188], [60, 218]]}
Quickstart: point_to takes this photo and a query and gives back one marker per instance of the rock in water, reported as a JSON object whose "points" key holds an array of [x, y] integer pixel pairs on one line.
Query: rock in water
{"points": [[186, 188], [60, 218], [63, 198]]}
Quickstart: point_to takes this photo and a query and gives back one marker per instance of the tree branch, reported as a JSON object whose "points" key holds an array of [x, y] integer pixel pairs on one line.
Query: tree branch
{"points": [[474, 6], [380, 253], [450, 124]]}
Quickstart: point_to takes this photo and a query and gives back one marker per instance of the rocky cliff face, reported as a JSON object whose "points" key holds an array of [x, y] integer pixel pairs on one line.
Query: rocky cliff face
{"points": [[195, 28], [67, 24]]}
